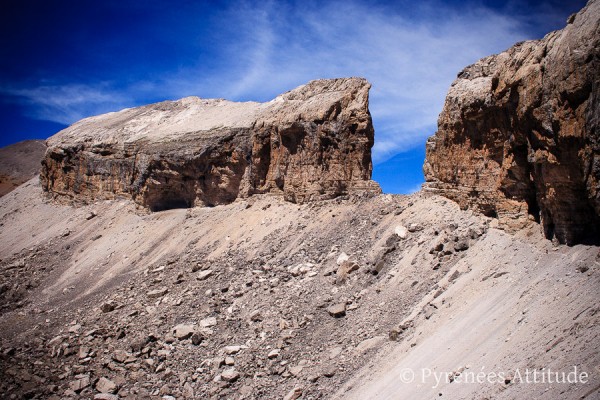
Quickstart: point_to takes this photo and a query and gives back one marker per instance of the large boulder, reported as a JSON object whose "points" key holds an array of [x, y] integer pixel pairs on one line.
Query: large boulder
{"points": [[518, 137], [313, 142]]}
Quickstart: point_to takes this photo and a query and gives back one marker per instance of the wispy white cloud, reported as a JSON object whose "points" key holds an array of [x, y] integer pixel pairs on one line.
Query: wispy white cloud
{"points": [[67, 103], [267, 48], [411, 62]]}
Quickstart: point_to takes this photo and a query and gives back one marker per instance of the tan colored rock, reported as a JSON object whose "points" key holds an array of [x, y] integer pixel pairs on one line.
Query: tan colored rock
{"points": [[156, 293], [203, 275], [273, 353], [337, 310], [313, 142], [106, 396], [188, 391], [296, 370], [81, 382], [105, 385], [294, 394], [183, 331], [519, 134], [208, 322], [232, 349], [230, 375]]}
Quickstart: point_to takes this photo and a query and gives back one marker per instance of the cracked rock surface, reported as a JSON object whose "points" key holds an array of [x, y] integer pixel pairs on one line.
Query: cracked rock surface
{"points": [[519, 135], [311, 143]]}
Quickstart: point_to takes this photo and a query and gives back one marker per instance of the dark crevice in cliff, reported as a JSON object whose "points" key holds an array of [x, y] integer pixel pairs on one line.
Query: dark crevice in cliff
{"points": [[168, 202], [292, 137], [260, 160]]}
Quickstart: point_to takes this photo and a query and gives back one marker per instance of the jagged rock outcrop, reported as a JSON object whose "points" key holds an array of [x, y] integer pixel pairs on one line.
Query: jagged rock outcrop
{"points": [[518, 136], [313, 142]]}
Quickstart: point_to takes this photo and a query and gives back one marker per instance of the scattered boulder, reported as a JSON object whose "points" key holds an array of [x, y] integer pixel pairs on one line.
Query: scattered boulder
{"points": [[232, 349], [230, 375], [294, 394], [301, 269], [414, 227], [197, 338], [401, 231], [582, 268], [120, 356], [183, 331], [337, 310], [81, 382], [156, 293], [273, 353], [462, 244], [203, 275], [255, 316], [108, 307], [344, 269], [329, 372], [208, 322], [341, 258], [105, 385], [188, 391], [106, 396]]}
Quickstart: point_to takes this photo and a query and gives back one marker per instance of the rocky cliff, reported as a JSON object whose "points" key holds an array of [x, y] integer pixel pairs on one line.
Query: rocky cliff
{"points": [[313, 142], [518, 137]]}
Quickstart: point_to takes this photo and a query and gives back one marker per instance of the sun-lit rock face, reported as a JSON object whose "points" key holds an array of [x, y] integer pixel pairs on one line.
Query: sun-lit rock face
{"points": [[313, 142], [519, 136]]}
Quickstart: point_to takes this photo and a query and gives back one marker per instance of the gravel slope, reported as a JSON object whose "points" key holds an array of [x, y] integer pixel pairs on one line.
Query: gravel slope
{"points": [[254, 300]]}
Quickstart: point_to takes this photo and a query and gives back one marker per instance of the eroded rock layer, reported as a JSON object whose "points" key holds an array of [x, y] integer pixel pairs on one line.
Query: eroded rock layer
{"points": [[313, 142], [518, 136]]}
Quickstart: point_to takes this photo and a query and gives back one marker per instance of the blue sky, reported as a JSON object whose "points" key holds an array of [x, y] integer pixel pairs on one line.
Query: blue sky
{"points": [[61, 61]]}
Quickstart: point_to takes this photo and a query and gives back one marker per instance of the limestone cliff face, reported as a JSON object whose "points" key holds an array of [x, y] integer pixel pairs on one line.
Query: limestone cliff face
{"points": [[518, 137], [313, 142]]}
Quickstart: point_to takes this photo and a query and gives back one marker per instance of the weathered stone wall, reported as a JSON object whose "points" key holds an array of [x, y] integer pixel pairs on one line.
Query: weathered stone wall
{"points": [[311, 143], [518, 136]]}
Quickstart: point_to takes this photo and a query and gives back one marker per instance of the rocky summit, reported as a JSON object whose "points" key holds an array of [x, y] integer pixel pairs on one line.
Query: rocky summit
{"points": [[519, 134], [313, 142]]}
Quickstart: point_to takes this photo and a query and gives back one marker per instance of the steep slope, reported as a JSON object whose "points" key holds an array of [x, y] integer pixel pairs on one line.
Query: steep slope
{"points": [[313, 142], [521, 318], [262, 298], [519, 134], [260, 273], [19, 163]]}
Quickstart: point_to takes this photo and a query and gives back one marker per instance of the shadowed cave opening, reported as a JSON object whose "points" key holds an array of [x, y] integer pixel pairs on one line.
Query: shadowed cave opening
{"points": [[169, 203], [168, 198]]}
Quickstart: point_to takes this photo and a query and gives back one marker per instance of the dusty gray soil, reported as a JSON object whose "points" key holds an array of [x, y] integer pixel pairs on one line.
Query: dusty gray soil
{"points": [[254, 300]]}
